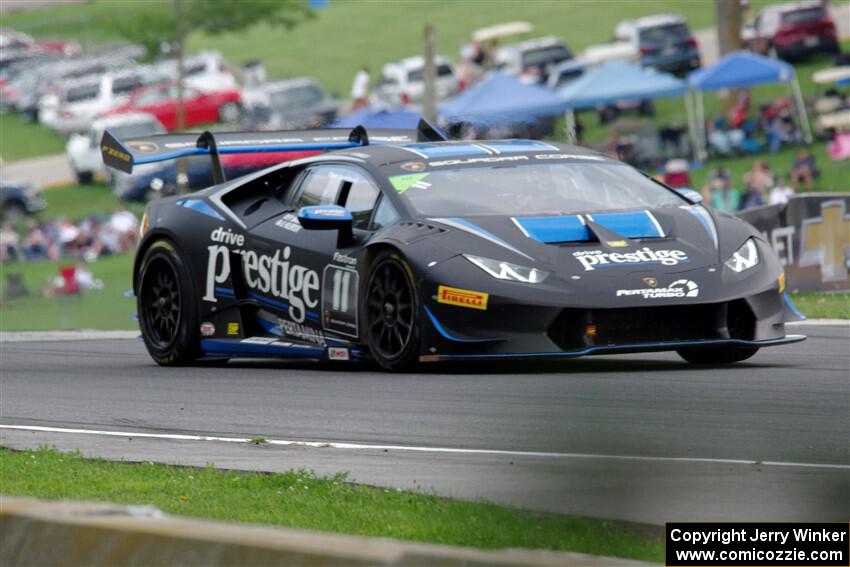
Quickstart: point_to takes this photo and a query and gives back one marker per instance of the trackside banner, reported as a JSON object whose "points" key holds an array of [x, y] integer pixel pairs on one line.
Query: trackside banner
{"points": [[762, 544], [811, 235]]}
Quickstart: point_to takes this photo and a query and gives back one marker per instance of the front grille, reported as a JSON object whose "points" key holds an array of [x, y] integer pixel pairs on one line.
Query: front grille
{"points": [[579, 328]]}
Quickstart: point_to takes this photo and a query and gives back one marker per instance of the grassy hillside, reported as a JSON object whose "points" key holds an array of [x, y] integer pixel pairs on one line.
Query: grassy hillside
{"points": [[349, 33]]}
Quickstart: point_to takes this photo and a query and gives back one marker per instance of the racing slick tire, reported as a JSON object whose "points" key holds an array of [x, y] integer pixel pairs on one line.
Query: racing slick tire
{"points": [[392, 313], [717, 355], [167, 306]]}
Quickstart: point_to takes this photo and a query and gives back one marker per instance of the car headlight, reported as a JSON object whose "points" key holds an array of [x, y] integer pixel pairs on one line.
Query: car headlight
{"points": [[744, 258], [507, 271]]}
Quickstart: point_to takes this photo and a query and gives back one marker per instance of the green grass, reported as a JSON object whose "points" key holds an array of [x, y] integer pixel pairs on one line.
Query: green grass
{"points": [[300, 499], [79, 201], [833, 305], [105, 309], [19, 140]]}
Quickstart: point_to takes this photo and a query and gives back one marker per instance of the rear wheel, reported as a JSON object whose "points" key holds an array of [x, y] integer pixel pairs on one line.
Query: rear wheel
{"points": [[392, 313], [228, 112], [717, 355], [167, 306]]}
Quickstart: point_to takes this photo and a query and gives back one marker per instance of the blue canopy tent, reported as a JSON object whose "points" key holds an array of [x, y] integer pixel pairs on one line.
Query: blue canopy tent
{"points": [[371, 118], [617, 81], [743, 69], [500, 99]]}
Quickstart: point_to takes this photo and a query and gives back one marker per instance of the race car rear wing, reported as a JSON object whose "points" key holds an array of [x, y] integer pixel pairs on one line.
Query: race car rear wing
{"points": [[125, 154]]}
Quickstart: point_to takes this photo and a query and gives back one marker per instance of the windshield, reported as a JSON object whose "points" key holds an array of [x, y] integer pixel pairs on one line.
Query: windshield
{"points": [[82, 92], [136, 130], [659, 35], [417, 75], [296, 96], [545, 56], [564, 188], [803, 16]]}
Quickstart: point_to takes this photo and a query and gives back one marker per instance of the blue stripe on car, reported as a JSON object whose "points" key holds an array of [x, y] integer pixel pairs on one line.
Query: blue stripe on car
{"points": [[549, 229], [200, 207], [239, 348], [447, 335], [433, 151], [516, 146]]}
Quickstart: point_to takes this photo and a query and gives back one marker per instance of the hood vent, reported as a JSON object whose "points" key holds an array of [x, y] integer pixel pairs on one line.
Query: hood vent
{"points": [[574, 228]]}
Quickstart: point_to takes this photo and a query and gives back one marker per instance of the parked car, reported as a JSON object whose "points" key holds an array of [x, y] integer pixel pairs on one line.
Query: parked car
{"points": [[565, 73], [11, 40], [792, 30], [83, 150], [206, 71], [19, 198], [80, 102], [199, 107], [289, 105], [30, 86], [664, 42], [402, 82], [533, 59]]}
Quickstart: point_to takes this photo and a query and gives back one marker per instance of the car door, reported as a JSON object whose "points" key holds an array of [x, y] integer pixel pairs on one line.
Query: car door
{"points": [[316, 295], [198, 107], [157, 101]]}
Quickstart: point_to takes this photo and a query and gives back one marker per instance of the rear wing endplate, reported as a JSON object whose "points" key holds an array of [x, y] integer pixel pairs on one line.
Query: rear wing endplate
{"points": [[123, 155]]}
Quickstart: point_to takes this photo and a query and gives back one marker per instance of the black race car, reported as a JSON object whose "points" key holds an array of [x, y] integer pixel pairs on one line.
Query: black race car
{"points": [[402, 248]]}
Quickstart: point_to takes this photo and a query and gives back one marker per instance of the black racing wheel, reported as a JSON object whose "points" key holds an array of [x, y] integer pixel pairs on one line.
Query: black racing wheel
{"points": [[167, 306], [392, 313], [722, 355]]}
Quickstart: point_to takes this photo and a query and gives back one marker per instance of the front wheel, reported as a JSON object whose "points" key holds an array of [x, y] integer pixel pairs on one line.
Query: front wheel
{"points": [[717, 355], [84, 177], [167, 306], [392, 313]]}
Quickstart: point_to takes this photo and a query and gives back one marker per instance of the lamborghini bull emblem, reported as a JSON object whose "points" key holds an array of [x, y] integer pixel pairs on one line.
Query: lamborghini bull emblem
{"points": [[650, 281]]}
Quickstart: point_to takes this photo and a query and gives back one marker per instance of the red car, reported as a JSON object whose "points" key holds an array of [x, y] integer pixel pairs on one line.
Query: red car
{"points": [[792, 30], [200, 107]]}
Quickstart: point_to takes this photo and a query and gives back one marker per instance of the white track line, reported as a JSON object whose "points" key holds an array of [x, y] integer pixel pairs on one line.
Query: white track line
{"points": [[821, 323], [368, 447], [51, 336]]}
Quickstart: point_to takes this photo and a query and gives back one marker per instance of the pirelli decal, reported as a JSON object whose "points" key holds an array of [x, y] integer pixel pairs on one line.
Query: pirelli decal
{"points": [[462, 297]]}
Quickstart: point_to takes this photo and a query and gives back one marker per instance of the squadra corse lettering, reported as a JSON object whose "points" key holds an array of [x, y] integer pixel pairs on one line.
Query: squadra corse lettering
{"points": [[274, 275]]}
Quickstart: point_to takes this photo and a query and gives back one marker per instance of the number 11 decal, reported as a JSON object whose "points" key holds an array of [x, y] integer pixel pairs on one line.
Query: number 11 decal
{"points": [[339, 300]]}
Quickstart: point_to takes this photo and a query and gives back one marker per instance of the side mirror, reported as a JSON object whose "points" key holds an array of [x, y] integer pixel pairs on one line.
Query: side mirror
{"points": [[690, 194], [327, 217]]}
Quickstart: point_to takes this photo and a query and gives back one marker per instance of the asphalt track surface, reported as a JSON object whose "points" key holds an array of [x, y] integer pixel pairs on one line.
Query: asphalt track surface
{"points": [[644, 438]]}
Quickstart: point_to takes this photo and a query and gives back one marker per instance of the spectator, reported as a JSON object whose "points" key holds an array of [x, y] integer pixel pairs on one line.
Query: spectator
{"points": [[676, 173], [724, 197], [125, 224], [9, 243], [804, 170], [759, 178], [780, 194], [360, 89], [722, 139], [752, 198], [722, 174]]}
